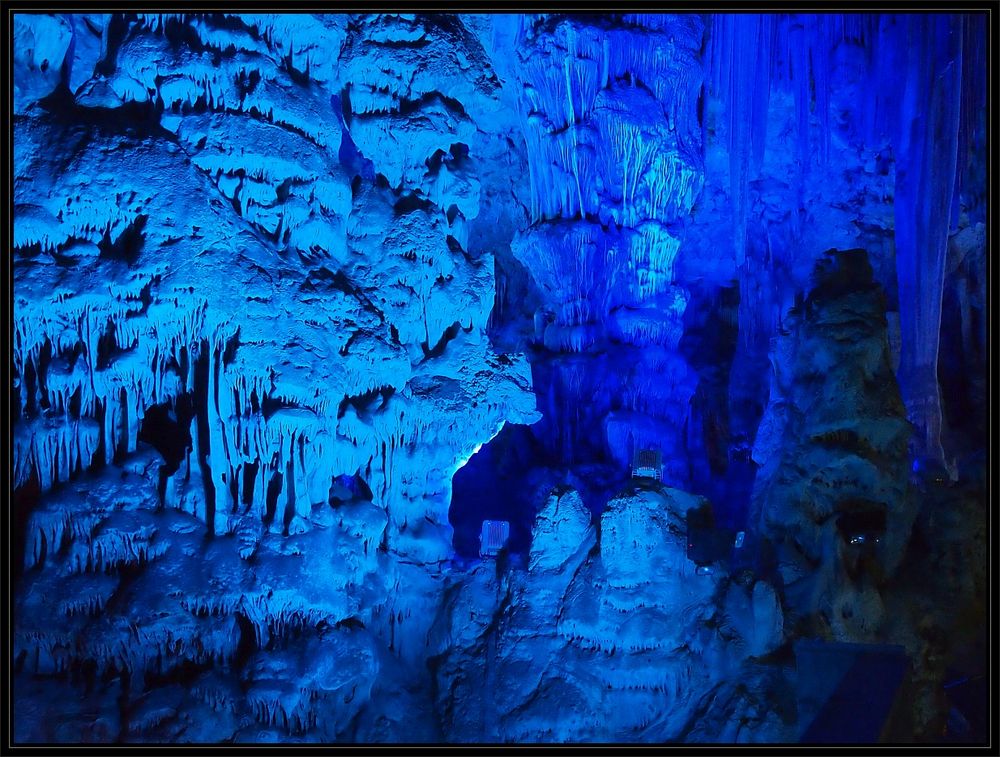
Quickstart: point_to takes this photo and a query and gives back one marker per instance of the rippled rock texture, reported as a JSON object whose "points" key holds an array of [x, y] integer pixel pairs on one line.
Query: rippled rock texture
{"points": [[278, 278]]}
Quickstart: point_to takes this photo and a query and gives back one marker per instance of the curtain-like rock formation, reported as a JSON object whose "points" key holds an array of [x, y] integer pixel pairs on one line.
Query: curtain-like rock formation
{"points": [[279, 280]]}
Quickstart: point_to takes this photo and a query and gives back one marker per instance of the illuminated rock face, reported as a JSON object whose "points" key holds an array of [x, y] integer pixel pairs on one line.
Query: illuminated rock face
{"points": [[278, 277], [230, 251], [616, 640], [609, 118]]}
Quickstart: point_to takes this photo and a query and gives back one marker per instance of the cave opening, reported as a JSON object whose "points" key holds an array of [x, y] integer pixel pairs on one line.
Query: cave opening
{"points": [[348, 488], [863, 522], [249, 479], [496, 484], [510, 478], [168, 429], [271, 498]]}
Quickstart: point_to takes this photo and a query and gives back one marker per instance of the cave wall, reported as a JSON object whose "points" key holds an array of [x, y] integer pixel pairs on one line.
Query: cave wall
{"points": [[278, 277]]}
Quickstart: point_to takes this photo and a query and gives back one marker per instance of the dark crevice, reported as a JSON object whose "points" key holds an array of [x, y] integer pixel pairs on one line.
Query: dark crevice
{"points": [[861, 520], [201, 400], [116, 31], [121, 450], [438, 349], [361, 402], [289, 497], [129, 243], [409, 107], [136, 120], [249, 480], [99, 457], [44, 359], [270, 405], [298, 76], [410, 202], [246, 83], [271, 498], [232, 344], [24, 500], [234, 488], [435, 161], [397, 44], [345, 106], [339, 281], [182, 36], [349, 488], [168, 429], [247, 644], [30, 387]]}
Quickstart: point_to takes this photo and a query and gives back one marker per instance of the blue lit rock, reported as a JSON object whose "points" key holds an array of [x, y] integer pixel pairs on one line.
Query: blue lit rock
{"points": [[561, 529], [624, 626], [278, 277]]}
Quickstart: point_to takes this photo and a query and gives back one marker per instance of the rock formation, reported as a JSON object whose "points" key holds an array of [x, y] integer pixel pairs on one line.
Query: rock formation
{"points": [[299, 300]]}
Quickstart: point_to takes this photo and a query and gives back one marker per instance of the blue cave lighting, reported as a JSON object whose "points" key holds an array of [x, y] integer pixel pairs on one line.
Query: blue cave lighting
{"points": [[688, 309]]}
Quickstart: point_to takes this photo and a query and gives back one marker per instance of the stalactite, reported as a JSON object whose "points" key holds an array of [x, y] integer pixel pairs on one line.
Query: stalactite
{"points": [[927, 90], [927, 161], [741, 59]]}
